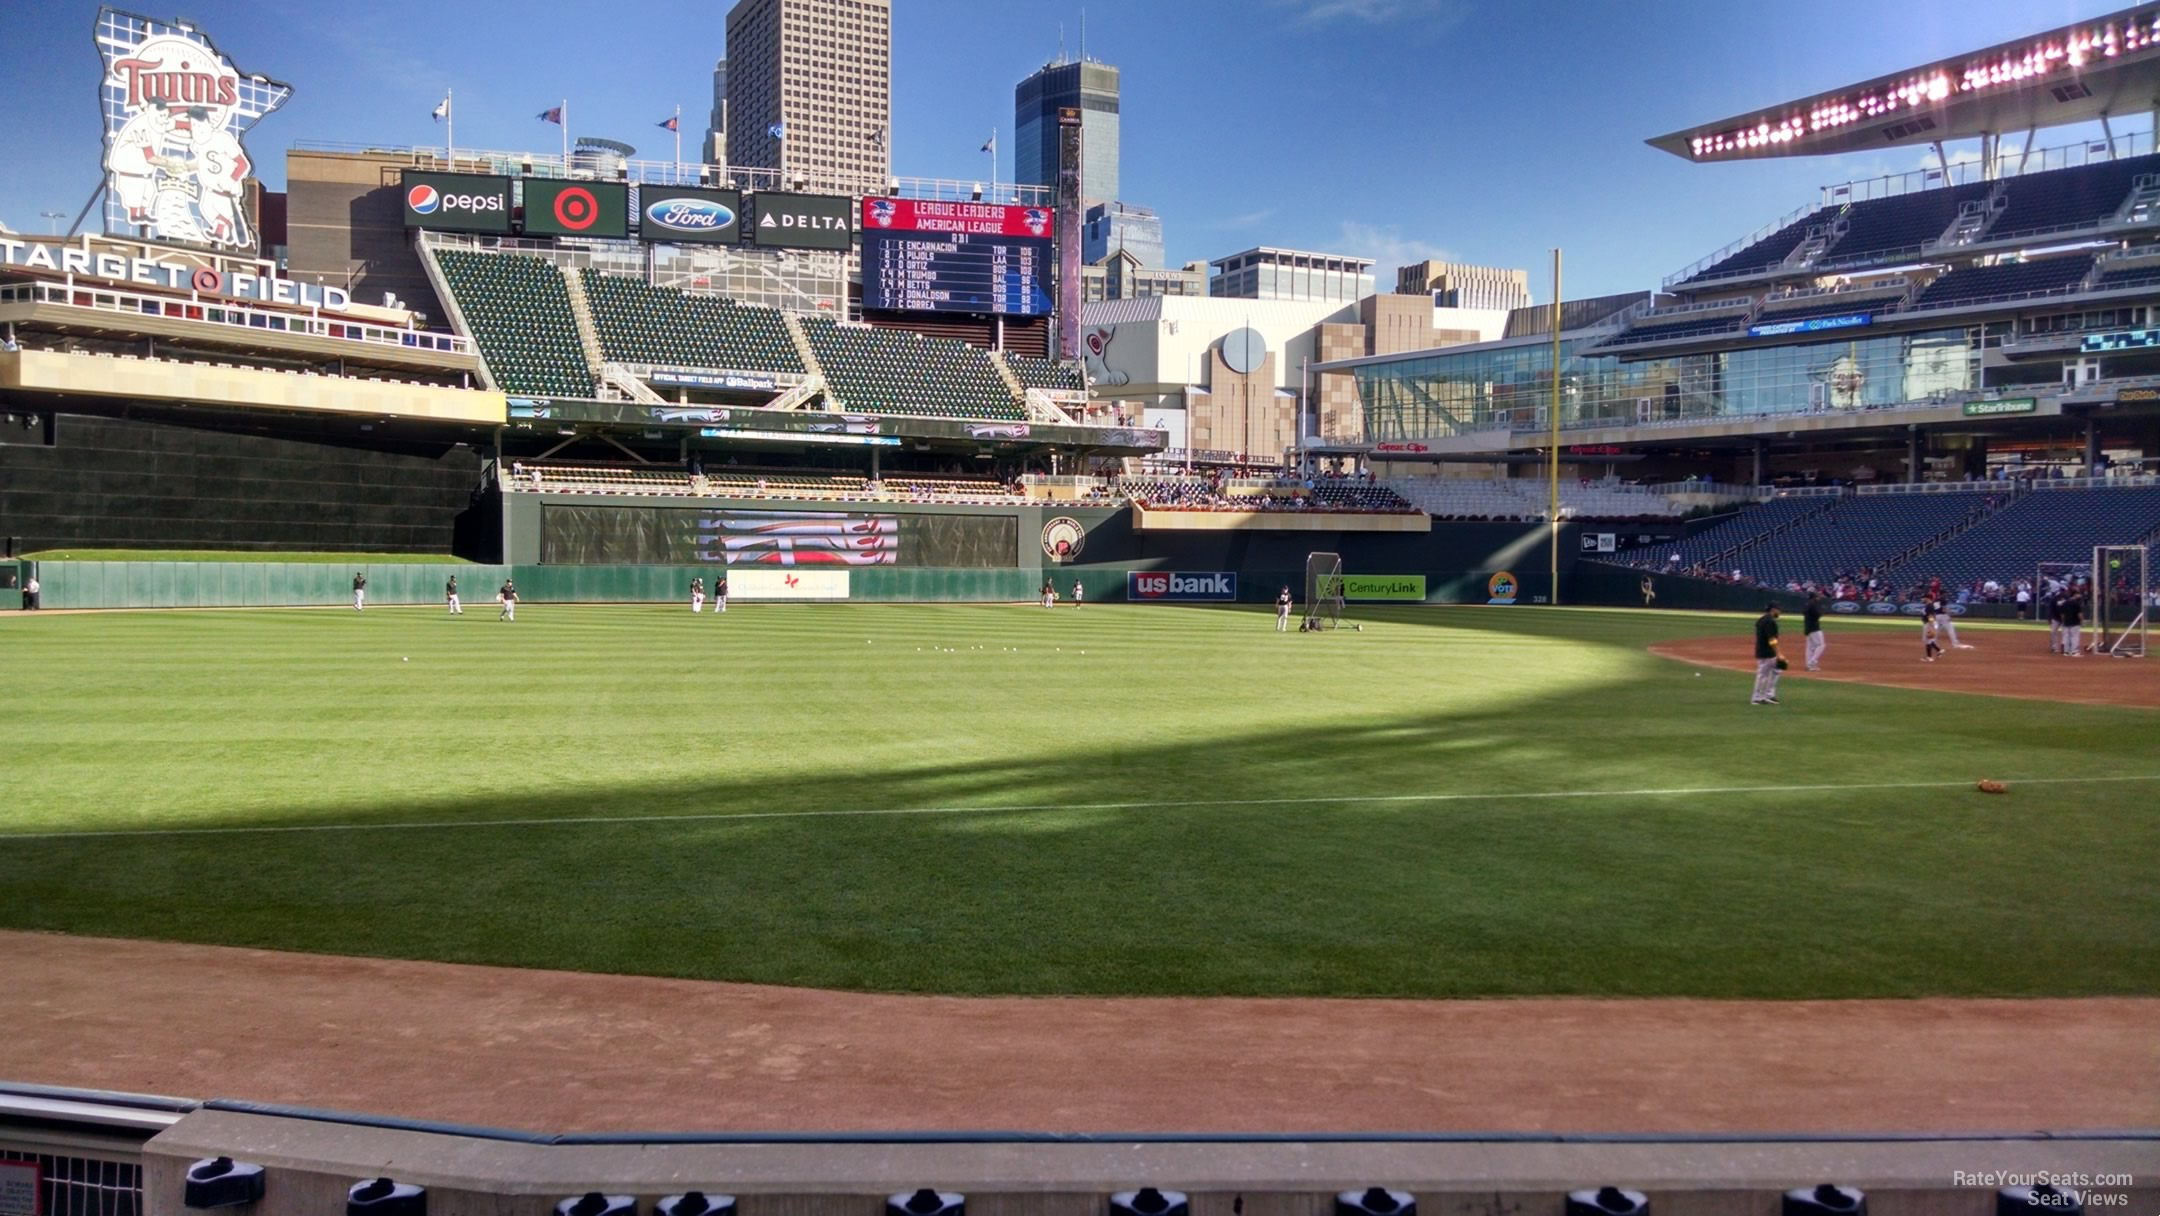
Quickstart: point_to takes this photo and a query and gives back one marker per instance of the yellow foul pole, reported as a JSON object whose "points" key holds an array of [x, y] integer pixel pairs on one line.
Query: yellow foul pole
{"points": [[1552, 458]]}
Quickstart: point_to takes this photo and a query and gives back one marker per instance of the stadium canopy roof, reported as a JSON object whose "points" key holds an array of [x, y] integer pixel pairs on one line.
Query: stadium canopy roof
{"points": [[2106, 66]]}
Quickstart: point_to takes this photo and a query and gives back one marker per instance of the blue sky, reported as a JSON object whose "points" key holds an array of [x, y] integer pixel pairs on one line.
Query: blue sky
{"points": [[1483, 130]]}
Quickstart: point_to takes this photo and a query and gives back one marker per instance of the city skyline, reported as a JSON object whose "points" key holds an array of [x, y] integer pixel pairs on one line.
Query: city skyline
{"points": [[1290, 123]]}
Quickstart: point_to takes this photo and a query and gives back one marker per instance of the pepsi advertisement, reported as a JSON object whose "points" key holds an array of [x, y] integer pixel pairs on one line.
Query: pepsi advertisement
{"points": [[927, 256], [456, 202], [683, 215]]}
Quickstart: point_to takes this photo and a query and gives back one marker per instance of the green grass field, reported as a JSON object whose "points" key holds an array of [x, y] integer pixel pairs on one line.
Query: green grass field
{"points": [[978, 799]]}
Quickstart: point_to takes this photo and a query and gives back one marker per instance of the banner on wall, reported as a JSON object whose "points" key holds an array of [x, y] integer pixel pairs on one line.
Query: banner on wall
{"points": [[1409, 587], [787, 584]]}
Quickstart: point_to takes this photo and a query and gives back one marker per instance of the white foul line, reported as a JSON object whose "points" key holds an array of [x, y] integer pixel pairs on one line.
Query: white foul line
{"points": [[722, 817]]}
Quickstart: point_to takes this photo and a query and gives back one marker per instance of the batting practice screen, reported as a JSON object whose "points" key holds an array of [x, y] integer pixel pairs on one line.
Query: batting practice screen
{"points": [[668, 536]]}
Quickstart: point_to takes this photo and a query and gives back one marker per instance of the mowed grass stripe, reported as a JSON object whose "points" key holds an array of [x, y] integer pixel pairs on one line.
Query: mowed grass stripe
{"points": [[1069, 865]]}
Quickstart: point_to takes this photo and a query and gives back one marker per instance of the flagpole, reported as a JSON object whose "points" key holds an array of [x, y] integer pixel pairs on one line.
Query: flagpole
{"points": [[678, 142], [450, 128], [993, 163], [566, 137]]}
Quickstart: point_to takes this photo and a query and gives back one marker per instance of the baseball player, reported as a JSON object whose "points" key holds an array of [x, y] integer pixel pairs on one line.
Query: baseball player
{"points": [[1049, 593], [1078, 593], [1768, 663], [1930, 614], [450, 593], [1811, 629], [507, 597], [359, 591], [1282, 610], [719, 595], [2051, 603], [2073, 620], [697, 594]]}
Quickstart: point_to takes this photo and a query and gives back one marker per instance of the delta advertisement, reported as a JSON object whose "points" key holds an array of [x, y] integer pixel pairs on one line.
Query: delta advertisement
{"points": [[1404, 587], [803, 221], [174, 109]]}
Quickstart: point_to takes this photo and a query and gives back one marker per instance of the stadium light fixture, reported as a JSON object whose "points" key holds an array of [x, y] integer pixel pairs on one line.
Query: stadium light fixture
{"points": [[978, 192]]}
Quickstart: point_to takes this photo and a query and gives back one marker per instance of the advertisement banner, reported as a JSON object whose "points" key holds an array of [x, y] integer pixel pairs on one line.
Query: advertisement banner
{"points": [[802, 221], [1502, 588], [982, 219], [1410, 587], [1773, 329], [736, 381], [1141, 585], [456, 202], [2009, 405], [746, 536], [787, 584], [686, 216], [175, 108], [569, 208]]}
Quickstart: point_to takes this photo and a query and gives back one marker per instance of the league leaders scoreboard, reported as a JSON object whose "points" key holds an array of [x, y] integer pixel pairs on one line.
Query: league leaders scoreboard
{"points": [[923, 256]]}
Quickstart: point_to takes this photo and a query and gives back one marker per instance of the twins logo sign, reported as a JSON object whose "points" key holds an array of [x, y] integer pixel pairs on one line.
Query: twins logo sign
{"points": [[175, 109]]}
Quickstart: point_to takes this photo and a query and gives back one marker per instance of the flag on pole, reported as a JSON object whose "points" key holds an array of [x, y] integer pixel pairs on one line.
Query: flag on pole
{"points": [[990, 145], [442, 108], [553, 114], [670, 124], [778, 130]]}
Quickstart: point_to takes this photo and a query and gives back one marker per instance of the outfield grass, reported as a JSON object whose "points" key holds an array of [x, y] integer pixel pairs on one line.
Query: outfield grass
{"points": [[241, 555], [1147, 800]]}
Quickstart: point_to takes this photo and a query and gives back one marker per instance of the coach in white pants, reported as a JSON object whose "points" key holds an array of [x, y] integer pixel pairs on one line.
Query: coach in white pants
{"points": [[1811, 628]]}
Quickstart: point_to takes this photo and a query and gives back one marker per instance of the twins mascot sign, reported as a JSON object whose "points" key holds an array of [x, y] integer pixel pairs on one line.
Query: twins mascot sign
{"points": [[174, 111]]}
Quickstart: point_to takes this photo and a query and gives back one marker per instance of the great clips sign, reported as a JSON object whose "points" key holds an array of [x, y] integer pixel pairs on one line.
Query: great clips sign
{"points": [[924, 215], [456, 202], [1176, 585]]}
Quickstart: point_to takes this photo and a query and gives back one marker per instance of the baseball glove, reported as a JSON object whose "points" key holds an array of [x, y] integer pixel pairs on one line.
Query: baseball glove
{"points": [[1782, 665], [1992, 786]]}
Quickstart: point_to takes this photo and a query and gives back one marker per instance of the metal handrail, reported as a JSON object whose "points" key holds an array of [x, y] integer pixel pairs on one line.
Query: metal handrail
{"points": [[198, 308]]}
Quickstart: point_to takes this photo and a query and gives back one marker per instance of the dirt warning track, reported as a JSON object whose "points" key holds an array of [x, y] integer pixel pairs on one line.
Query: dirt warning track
{"points": [[2001, 663]]}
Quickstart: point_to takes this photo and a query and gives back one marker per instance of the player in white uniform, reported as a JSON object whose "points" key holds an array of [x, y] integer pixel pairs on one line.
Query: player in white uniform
{"points": [[1078, 593], [1282, 611], [359, 592], [697, 595], [507, 597], [457, 607], [221, 170]]}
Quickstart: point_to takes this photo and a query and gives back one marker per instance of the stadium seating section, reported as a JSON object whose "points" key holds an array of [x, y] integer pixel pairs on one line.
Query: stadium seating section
{"points": [[518, 310], [1977, 283], [640, 323], [1044, 374], [1467, 498], [1665, 329], [557, 477], [1737, 530], [2051, 201], [1866, 530], [1202, 494], [2141, 275], [2062, 198], [1835, 304], [2041, 526], [885, 371]]}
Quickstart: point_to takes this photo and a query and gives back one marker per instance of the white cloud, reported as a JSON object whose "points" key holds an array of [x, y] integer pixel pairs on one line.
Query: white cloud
{"points": [[1432, 16], [1246, 219], [1388, 248]]}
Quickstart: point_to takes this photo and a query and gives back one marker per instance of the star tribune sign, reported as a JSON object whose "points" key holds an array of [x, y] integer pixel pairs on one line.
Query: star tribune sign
{"points": [[174, 110]]}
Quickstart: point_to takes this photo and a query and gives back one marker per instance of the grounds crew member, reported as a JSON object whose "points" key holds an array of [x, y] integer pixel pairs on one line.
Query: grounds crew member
{"points": [[1767, 661]]}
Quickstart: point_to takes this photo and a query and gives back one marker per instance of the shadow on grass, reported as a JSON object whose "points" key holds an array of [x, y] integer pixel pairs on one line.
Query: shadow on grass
{"points": [[1084, 875]]}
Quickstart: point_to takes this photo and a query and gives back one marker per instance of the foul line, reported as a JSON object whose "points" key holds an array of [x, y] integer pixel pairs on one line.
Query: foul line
{"points": [[723, 817]]}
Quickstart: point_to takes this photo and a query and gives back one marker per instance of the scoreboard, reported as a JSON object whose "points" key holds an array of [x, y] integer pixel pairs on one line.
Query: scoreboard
{"points": [[925, 256]]}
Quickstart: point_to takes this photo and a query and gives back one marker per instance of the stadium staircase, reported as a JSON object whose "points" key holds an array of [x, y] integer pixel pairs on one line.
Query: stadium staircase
{"points": [[812, 388], [801, 340], [581, 312], [620, 379], [1006, 373], [2143, 205]]}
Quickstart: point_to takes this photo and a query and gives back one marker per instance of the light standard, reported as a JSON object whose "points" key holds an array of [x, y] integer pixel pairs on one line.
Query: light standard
{"points": [[54, 218]]}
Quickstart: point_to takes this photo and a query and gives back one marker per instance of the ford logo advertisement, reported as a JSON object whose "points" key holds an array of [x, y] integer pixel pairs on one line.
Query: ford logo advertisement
{"points": [[1845, 606], [680, 215], [1882, 608]]}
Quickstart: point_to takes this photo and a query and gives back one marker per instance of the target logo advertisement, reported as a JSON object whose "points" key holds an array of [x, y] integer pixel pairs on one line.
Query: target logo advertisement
{"points": [[555, 207], [456, 202]]}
